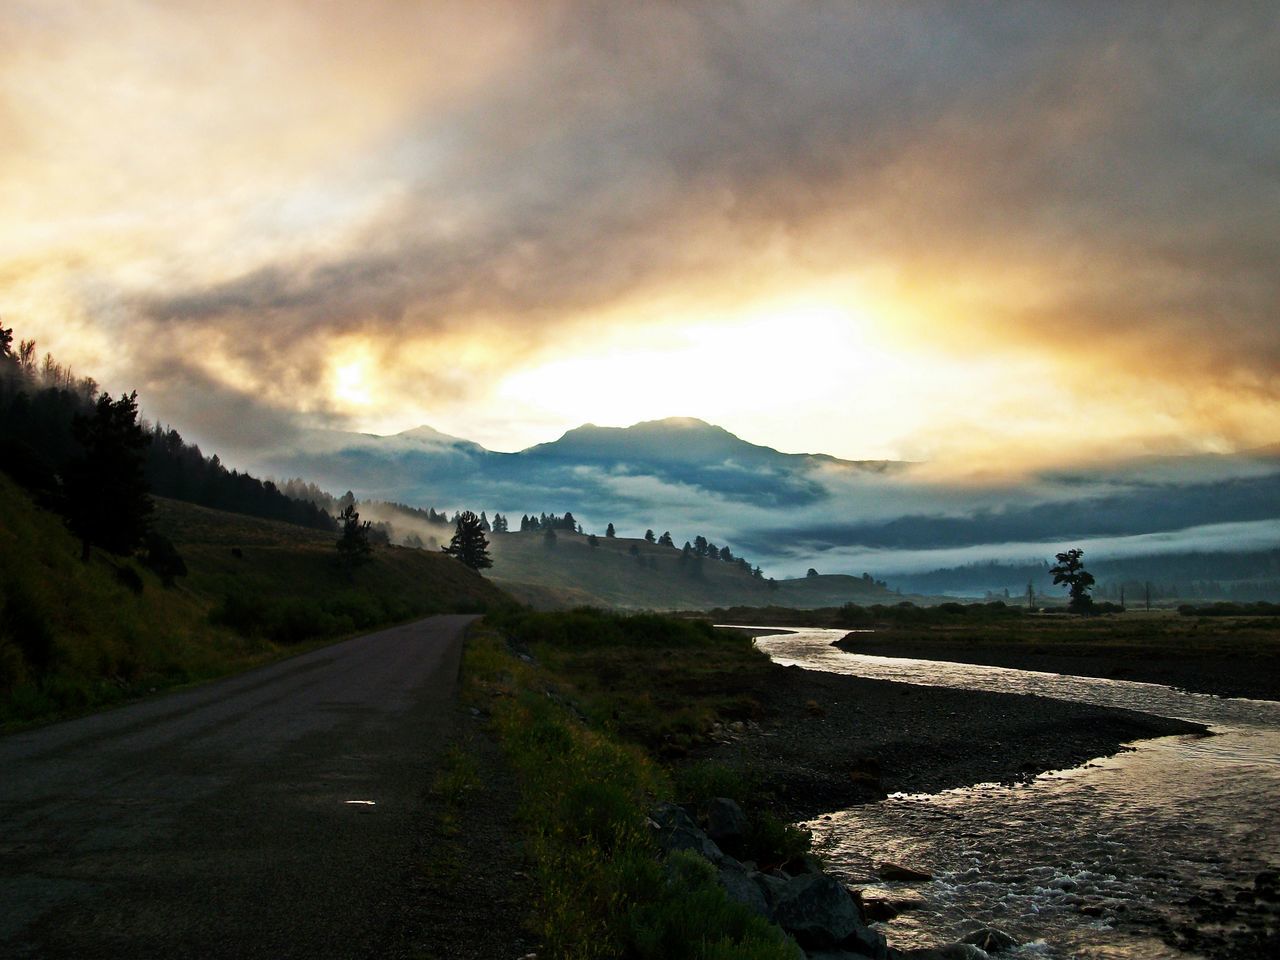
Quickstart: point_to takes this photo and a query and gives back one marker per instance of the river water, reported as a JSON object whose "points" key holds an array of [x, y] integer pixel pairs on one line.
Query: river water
{"points": [[1111, 859]]}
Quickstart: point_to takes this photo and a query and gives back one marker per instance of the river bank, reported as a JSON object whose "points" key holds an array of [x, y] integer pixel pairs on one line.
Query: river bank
{"points": [[825, 741], [1223, 665]]}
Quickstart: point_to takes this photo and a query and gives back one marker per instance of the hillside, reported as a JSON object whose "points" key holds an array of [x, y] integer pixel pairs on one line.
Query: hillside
{"points": [[572, 573], [73, 635]]}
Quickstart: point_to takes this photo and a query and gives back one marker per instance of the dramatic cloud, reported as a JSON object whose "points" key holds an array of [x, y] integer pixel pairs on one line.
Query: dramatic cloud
{"points": [[983, 235]]}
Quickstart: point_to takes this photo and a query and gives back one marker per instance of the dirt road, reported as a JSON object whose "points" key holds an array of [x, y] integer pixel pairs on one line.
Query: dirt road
{"points": [[267, 815]]}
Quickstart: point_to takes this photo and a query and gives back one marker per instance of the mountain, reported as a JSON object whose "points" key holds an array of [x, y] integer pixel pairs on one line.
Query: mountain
{"points": [[791, 511], [586, 471]]}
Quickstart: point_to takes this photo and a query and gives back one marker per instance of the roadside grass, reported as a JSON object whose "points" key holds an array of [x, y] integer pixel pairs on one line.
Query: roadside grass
{"points": [[588, 782], [457, 778], [77, 636]]}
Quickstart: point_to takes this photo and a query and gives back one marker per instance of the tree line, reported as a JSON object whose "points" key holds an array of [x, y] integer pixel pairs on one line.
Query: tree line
{"points": [[87, 456]]}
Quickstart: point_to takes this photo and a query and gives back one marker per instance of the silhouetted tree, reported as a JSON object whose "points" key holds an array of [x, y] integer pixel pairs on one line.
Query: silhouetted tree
{"points": [[1070, 570], [484, 522], [353, 543], [726, 554], [106, 491], [469, 544], [700, 545], [812, 572], [665, 540], [609, 531]]}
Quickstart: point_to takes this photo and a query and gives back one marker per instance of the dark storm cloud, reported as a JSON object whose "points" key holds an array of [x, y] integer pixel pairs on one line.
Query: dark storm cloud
{"points": [[1127, 152]]}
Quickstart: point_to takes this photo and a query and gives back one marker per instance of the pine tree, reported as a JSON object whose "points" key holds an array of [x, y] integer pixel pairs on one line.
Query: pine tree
{"points": [[649, 536], [353, 545], [665, 540], [610, 532], [469, 544], [107, 503]]}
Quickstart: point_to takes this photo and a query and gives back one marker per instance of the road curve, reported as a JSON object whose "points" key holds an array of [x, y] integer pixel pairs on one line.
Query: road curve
{"points": [[264, 815]]}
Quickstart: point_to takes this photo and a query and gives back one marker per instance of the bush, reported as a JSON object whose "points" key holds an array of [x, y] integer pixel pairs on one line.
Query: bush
{"points": [[128, 578], [26, 625]]}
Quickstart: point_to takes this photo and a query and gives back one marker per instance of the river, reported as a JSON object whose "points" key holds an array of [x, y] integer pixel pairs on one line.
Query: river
{"points": [[1109, 860]]}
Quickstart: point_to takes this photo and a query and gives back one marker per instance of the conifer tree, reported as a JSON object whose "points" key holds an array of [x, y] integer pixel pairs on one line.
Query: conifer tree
{"points": [[353, 544], [469, 544], [107, 503]]}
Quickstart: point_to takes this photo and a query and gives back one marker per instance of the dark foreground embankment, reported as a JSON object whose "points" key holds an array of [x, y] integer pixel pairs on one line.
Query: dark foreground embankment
{"points": [[826, 741]]}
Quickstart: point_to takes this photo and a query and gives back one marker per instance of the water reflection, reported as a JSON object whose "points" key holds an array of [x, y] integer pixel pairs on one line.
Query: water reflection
{"points": [[1112, 859]]}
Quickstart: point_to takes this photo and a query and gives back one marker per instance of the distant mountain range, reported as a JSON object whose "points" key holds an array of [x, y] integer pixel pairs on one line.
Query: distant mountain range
{"points": [[589, 470], [792, 511]]}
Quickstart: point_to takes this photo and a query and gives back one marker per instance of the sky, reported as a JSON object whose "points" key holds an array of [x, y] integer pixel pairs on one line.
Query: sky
{"points": [[995, 236]]}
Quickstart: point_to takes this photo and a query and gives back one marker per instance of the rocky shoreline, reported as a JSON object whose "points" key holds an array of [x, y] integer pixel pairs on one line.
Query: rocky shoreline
{"points": [[825, 919], [828, 741]]}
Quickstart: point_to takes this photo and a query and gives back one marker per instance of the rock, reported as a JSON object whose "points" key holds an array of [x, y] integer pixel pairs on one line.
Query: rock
{"points": [[990, 939], [676, 830], [727, 825], [821, 915], [879, 907], [805, 863], [668, 816], [1266, 885], [771, 887], [952, 951], [896, 871], [742, 888]]}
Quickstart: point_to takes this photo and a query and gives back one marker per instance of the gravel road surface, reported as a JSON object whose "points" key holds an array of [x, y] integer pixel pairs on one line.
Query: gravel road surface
{"points": [[266, 815]]}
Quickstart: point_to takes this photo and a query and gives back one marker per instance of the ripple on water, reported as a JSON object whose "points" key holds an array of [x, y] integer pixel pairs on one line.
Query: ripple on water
{"points": [[1106, 860]]}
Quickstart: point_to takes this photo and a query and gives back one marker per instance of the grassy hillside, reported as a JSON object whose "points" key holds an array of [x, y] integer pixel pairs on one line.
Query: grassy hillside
{"points": [[573, 573], [74, 635]]}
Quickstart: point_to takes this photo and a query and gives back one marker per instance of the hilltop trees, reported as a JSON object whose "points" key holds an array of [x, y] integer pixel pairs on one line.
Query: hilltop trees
{"points": [[1070, 570], [610, 532], [469, 544], [105, 489], [354, 547]]}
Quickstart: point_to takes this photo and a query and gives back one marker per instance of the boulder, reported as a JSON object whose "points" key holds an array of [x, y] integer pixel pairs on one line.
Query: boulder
{"points": [[819, 912], [896, 871], [741, 887], [676, 830], [771, 887], [805, 863], [727, 825], [952, 951], [878, 906], [990, 939]]}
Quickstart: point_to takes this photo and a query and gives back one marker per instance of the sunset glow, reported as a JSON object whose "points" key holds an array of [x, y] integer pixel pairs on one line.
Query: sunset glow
{"points": [[504, 220]]}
